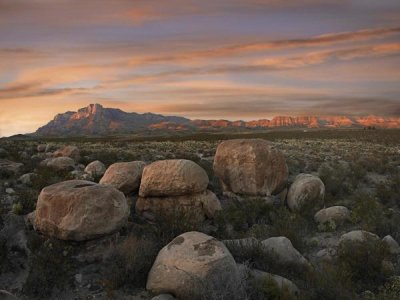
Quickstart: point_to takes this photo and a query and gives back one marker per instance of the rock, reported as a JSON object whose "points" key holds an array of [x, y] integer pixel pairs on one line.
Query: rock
{"points": [[124, 176], [197, 206], [50, 148], [10, 167], [250, 167], [41, 148], [69, 151], [192, 265], [332, 216], [306, 192], [394, 247], [61, 163], [80, 210], [282, 283], [357, 236], [10, 191], [4, 295], [95, 168], [175, 177], [27, 178], [164, 297], [282, 249], [78, 278]]}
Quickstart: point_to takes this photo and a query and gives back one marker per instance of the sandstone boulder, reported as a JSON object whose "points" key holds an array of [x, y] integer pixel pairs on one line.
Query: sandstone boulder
{"points": [[95, 168], [192, 265], [175, 177], [197, 206], [69, 151], [306, 192], [281, 249], [332, 216], [250, 167], [124, 176], [60, 163], [80, 210]]}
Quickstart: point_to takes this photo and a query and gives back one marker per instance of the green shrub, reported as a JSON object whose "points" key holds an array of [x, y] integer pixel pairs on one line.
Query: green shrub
{"points": [[17, 208], [130, 262], [363, 260]]}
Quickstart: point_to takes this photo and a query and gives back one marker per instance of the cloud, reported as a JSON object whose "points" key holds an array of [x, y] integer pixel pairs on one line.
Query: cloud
{"points": [[321, 40]]}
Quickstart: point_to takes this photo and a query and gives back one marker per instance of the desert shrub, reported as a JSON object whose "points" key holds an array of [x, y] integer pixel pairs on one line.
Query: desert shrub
{"points": [[243, 214], [294, 226], [335, 179], [6, 174], [367, 211], [363, 260], [49, 268], [391, 290], [328, 282], [47, 176], [267, 289], [26, 201], [131, 261], [17, 208]]}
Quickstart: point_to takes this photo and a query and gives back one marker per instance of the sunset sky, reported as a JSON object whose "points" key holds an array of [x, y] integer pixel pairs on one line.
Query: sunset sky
{"points": [[231, 59]]}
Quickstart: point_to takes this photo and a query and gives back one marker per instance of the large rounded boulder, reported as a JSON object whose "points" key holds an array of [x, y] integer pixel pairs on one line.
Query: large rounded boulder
{"points": [[250, 167], [192, 265], [124, 176], [80, 210], [306, 192], [174, 177]]}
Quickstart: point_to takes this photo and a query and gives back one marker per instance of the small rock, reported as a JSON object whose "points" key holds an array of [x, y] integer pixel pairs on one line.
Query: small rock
{"points": [[10, 191], [335, 215], [164, 297], [69, 151], [78, 278], [41, 148], [61, 163], [27, 178], [95, 168]]}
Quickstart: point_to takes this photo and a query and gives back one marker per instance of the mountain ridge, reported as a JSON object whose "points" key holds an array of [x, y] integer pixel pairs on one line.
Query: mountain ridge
{"points": [[97, 120]]}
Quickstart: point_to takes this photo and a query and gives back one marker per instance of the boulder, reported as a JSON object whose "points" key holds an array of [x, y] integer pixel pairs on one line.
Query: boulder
{"points": [[80, 210], [60, 163], [69, 151], [281, 283], [192, 265], [27, 178], [175, 177], [393, 246], [95, 168], [281, 249], [357, 236], [198, 206], [332, 216], [124, 176], [306, 192], [250, 167], [41, 148]]}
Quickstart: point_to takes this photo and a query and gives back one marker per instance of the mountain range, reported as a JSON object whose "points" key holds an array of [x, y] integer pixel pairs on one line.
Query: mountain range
{"points": [[97, 120]]}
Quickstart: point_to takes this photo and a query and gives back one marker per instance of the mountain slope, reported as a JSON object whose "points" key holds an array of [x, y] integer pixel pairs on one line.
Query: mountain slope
{"points": [[97, 120]]}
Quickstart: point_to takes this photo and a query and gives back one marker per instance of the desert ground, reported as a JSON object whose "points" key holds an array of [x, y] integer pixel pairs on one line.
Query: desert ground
{"points": [[158, 227]]}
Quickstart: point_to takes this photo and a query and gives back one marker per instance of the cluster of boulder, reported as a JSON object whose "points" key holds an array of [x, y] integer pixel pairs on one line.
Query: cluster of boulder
{"points": [[193, 262], [170, 188]]}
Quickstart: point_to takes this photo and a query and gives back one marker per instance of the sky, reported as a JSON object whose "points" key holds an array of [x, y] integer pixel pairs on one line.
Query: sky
{"points": [[208, 59]]}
